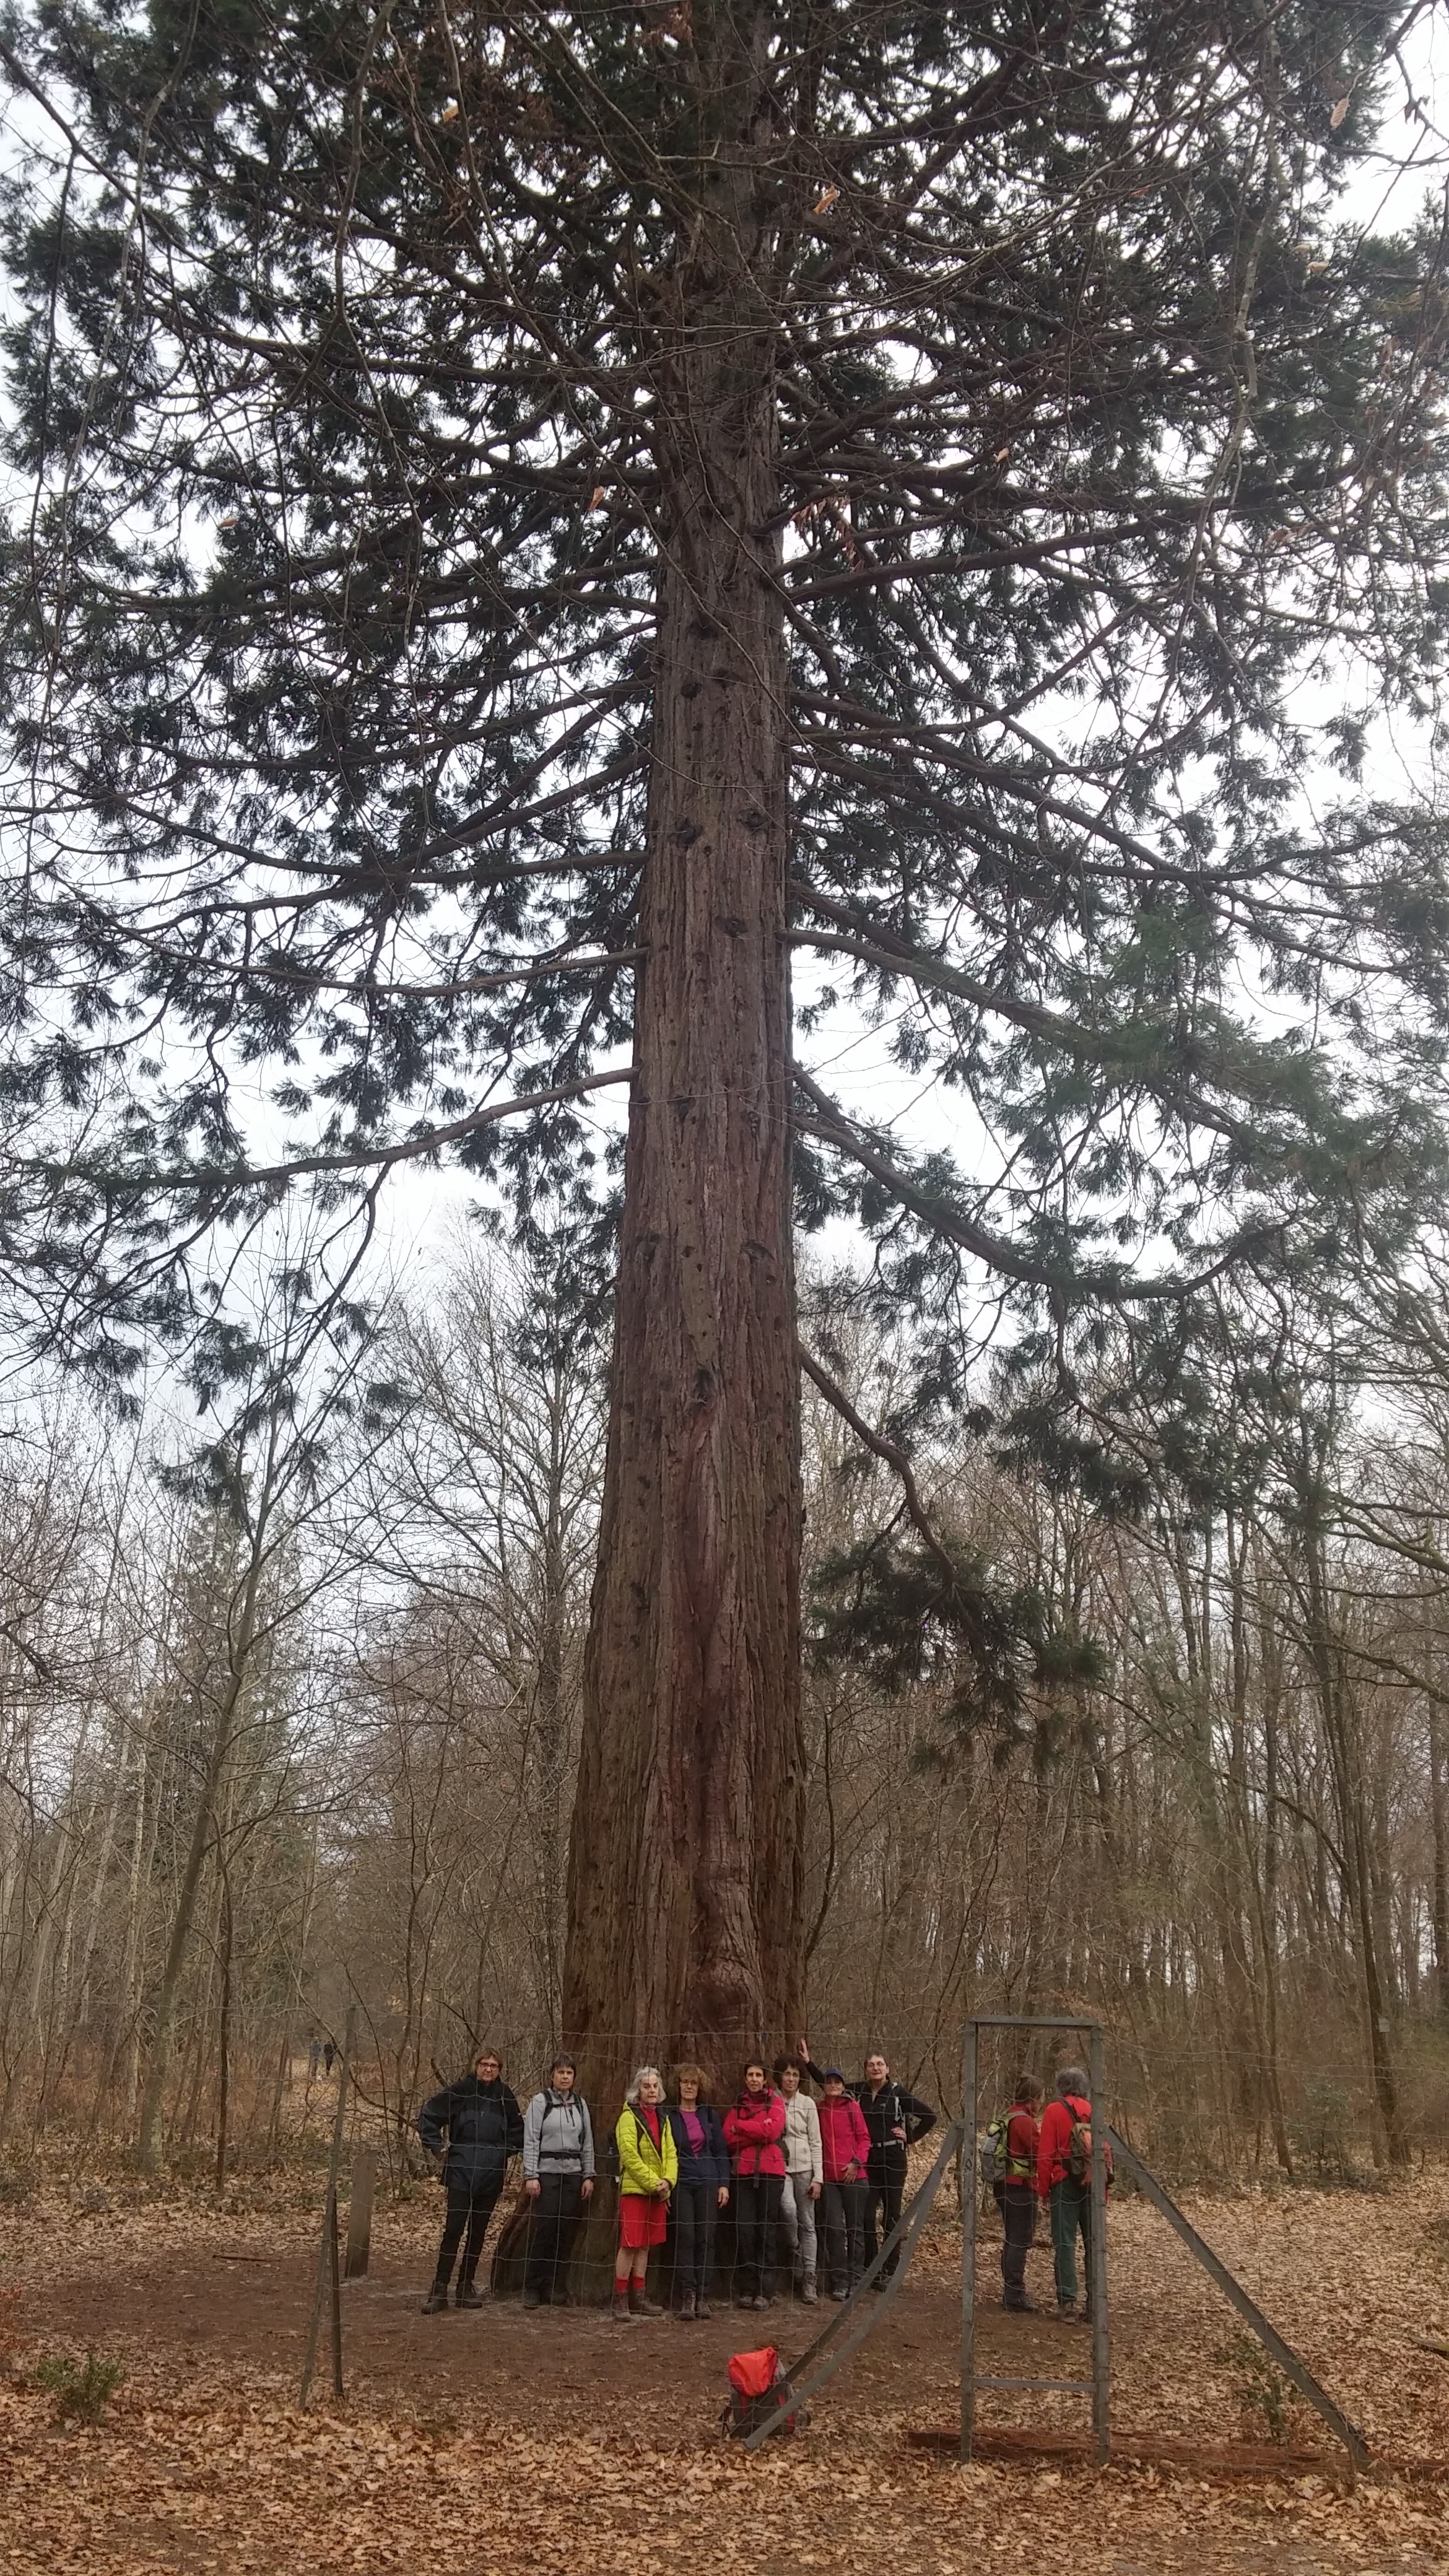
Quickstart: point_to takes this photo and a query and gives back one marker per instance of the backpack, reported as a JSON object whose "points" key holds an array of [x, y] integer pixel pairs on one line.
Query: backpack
{"points": [[1079, 2149], [993, 2151], [612, 2166], [754, 2379]]}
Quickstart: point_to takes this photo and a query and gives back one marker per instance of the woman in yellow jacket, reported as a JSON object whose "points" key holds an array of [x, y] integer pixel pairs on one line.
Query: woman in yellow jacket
{"points": [[648, 2171]]}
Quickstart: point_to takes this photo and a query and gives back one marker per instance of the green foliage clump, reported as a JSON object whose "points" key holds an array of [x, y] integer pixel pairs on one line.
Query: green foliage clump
{"points": [[1321, 2134], [82, 2390], [1265, 2398]]}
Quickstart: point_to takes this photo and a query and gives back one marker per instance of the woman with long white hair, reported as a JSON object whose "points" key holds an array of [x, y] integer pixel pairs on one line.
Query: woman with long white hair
{"points": [[648, 2171]]}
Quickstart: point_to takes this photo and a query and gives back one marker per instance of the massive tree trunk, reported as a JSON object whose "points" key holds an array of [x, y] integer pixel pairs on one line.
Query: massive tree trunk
{"points": [[685, 1878]]}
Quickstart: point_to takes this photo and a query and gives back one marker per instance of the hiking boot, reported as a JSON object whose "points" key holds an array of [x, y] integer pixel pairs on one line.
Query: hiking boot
{"points": [[685, 2310], [640, 2303], [1021, 2307], [745, 2300], [436, 2301], [532, 2299], [808, 2293], [465, 2296], [701, 2311], [620, 2310], [760, 2302], [840, 2297]]}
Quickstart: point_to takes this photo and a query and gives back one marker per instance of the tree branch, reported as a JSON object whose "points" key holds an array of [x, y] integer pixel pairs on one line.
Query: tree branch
{"points": [[360, 1158], [894, 1458]]}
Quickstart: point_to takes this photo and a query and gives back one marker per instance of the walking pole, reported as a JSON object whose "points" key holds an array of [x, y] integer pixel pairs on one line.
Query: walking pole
{"points": [[327, 2250], [968, 2243], [1097, 2248]]}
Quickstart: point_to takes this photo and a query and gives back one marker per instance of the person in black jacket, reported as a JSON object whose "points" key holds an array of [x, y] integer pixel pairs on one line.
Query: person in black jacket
{"points": [[895, 2119], [700, 2193], [483, 2126]]}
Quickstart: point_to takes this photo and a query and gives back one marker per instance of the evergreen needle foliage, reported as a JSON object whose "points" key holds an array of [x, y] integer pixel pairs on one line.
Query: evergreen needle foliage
{"points": [[355, 366], [82, 2390]]}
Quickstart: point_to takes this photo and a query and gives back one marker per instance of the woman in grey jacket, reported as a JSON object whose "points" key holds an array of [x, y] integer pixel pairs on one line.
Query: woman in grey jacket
{"points": [[558, 2177]]}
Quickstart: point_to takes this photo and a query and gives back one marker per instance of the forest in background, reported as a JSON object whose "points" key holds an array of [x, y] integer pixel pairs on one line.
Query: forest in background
{"points": [[292, 1727]]}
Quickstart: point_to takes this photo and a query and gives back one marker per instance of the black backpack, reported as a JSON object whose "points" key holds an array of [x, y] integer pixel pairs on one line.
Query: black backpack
{"points": [[610, 2149]]}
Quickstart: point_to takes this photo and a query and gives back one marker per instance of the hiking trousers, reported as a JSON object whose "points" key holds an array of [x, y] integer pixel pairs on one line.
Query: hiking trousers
{"points": [[1071, 2209], [472, 2199], [842, 2215], [885, 2189], [693, 2208], [1017, 2201], [757, 2210], [797, 2217], [552, 2221]]}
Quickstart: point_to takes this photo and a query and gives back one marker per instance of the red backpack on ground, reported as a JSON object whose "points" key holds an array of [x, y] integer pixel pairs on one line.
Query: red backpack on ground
{"points": [[754, 2383]]}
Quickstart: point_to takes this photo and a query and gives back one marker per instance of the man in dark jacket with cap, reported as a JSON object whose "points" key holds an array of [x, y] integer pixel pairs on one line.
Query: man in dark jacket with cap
{"points": [[482, 2125], [895, 2119]]}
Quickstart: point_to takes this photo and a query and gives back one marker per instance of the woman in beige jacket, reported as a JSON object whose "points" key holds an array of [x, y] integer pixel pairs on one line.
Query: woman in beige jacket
{"points": [[803, 2174]]}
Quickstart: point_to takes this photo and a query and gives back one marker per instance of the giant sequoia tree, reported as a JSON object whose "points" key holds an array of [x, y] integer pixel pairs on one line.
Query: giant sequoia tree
{"points": [[525, 518]]}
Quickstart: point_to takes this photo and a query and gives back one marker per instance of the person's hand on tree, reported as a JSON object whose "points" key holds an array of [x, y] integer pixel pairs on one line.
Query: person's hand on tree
{"points": [[533, 2188]]}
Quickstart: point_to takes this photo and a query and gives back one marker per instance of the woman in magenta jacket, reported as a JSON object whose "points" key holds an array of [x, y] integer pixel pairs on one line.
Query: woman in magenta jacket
{"points": [[754, 2124], [844, 2156]]}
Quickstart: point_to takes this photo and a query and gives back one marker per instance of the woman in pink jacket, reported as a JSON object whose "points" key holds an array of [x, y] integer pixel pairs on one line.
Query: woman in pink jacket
{"points": [[754, 2124], [844, 2149]]}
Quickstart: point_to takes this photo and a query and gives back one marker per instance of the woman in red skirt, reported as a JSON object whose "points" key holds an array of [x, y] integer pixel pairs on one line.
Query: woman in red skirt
{"points": [[648, 2169]]}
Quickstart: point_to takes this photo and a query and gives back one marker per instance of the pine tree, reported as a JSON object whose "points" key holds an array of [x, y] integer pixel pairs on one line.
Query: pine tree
{"points": [[534, 514]]}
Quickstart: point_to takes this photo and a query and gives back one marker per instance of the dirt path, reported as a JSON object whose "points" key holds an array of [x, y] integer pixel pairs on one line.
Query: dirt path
{"points": [[484, 2440]]}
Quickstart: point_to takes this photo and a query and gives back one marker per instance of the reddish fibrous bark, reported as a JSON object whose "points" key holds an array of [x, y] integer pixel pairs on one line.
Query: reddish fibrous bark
{"points": [[685, 1868]]}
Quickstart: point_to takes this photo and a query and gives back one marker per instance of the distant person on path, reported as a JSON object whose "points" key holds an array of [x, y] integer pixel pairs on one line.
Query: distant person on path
{"points": [[1064, 2182], [844, 2156], [1016, 2193], [803, 2174], [754, 2126], [328, 2053], [558, 2180], [701, 2191], [648, 2171], [895, 2119], [314, 2060], [475, 2125]]}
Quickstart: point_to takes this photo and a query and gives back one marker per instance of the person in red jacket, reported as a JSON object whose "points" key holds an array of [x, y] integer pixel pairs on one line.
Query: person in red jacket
{"points": [[844, 2157], [754, 2124], [1016, 2191], [1068, 2196]]}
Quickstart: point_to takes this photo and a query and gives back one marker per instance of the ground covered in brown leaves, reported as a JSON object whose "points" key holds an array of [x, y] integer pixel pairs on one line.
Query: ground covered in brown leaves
{"points": [[550, 2442]]}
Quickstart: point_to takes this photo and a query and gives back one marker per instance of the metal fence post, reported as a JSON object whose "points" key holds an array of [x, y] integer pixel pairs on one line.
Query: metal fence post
{"points": [[1097, 2249], [359, 2213], [327, 2273], [968, 2241]]}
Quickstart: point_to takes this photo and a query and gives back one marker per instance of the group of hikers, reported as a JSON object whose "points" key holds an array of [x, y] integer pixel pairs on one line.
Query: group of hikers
{"points": [[824, 2175]]}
